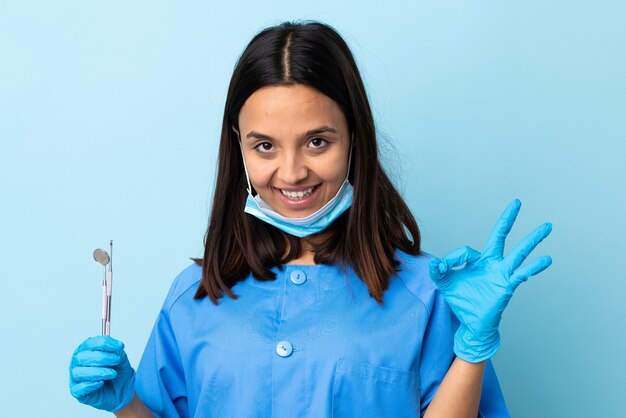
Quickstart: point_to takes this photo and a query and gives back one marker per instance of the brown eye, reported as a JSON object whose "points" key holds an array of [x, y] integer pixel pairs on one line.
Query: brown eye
{"points": [[264, 147], [318, 143]]}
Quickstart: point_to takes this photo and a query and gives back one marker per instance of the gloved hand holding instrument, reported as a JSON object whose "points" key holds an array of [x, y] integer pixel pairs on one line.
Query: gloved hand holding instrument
{"points": [[100, 374], [479, 292]]}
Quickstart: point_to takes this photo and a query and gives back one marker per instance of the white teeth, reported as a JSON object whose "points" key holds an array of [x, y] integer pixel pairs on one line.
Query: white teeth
{"points": [[298, 195]]}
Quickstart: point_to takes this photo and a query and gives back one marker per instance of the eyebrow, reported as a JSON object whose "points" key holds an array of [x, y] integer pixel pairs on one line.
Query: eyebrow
{"points": [[321, 129]]}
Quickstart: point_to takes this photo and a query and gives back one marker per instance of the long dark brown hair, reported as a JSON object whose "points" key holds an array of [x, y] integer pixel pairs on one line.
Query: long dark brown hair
{"points": [[365, 236]]}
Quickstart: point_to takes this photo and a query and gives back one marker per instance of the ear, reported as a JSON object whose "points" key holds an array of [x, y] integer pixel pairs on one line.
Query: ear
{"points": [[235, 130]]}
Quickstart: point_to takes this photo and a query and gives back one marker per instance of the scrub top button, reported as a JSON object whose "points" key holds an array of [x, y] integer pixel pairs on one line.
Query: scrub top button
{"points": [[298, 277], [284, 349]]}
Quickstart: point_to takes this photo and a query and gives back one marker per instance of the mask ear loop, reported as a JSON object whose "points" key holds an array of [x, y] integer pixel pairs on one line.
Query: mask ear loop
{"points": [[350, 157], [245, 169]]}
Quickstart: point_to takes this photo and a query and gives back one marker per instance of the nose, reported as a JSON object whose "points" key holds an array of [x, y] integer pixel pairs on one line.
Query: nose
{"points": [[292, 169]]}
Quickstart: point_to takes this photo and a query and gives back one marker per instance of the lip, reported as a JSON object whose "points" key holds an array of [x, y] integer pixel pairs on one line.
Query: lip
{"points": [[301, 204]]}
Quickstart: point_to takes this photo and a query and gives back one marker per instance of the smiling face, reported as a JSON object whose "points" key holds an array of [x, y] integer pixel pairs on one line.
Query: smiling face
{"points": [[296, 145]]}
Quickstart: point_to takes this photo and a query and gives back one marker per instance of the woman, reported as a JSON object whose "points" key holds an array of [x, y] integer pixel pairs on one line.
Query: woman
{"points": [[313, 297]]}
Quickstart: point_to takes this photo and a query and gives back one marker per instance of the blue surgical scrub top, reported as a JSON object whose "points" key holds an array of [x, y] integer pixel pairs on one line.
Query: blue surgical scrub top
{"points": [[312, 343]]}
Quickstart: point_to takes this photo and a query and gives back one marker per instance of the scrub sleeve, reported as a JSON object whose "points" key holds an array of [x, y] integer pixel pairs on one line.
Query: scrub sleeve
{"points": [[160, 379]]}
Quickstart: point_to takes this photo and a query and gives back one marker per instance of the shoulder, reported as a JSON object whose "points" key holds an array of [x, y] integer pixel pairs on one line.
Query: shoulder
{"points": [[187, 280], [413, 271]]}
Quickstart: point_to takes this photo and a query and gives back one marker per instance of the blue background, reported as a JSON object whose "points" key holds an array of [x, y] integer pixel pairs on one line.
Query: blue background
{"points": [[109, 121]]}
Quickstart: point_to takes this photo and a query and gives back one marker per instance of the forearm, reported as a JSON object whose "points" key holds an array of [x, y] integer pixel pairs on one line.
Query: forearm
{"points": [[134, 409], [458, 395]]}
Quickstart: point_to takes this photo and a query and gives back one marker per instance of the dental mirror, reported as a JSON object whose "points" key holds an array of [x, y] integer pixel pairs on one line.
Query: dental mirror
{"points": [[101, 256]]}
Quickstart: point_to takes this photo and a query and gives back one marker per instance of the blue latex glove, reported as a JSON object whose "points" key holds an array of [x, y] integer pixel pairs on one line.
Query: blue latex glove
{"points": [[100, 374], [479, 292]]}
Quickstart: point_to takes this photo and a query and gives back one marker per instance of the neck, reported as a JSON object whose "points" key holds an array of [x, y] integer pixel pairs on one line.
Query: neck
{"points": [[308, 244], [305, 258]]}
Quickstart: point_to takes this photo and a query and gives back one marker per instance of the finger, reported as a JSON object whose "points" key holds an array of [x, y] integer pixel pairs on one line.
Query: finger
{"points": [[537, 266], [433, 269], [495, 243], [456, 258], [525, 247], [101, 343], [97, 358], [92, 374], [82, 389]]}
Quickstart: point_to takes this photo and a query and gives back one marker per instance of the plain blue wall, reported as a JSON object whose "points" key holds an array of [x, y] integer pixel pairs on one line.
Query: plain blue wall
{"points": [[109, 119]]}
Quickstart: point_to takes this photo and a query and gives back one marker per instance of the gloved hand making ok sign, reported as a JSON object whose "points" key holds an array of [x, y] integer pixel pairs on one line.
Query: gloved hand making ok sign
{"points": [[479, 292]]}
